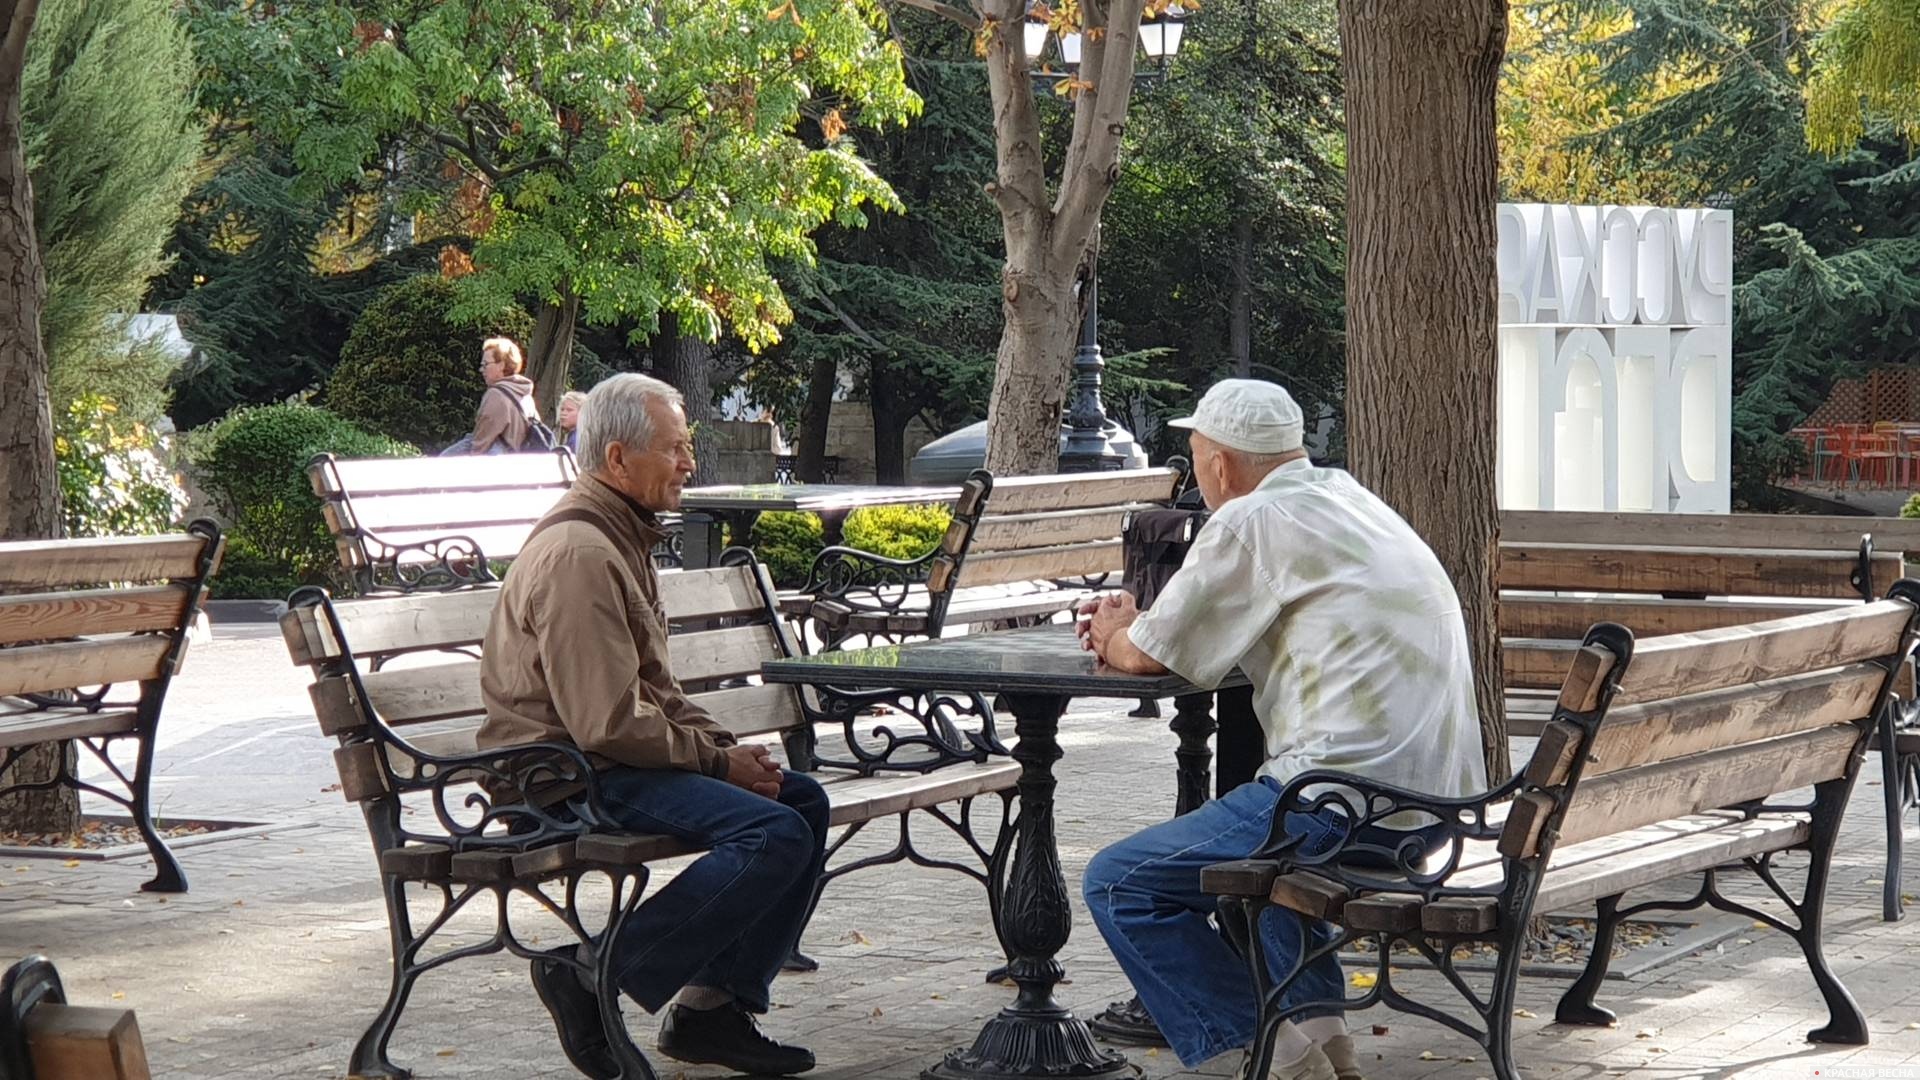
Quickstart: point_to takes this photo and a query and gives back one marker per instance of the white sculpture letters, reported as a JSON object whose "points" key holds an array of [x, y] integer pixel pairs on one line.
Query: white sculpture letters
{"points": [[1616, 358]]}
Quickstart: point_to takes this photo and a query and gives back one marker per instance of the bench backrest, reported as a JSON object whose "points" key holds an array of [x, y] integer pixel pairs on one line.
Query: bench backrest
{"points": [[724, 629], [94, 612], [1056, 528], [1668, 726], [405, 523]]}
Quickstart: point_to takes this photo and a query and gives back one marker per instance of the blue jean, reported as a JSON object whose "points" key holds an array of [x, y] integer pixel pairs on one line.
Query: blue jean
{"points": [[730, 919], [1144, 894]]}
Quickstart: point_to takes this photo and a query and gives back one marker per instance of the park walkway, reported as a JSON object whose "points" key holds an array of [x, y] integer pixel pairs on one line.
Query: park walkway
{"points": [[273, 963]]}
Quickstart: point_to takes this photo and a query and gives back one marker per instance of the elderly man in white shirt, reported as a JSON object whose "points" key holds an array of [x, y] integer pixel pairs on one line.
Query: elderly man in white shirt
{"points": [[1352, 635]]}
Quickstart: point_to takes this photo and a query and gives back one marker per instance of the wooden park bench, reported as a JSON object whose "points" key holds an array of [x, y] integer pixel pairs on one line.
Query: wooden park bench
{"points": [[1019, 549], [407, 756], [412, 524], [1671, 758], [78, 618], [44, 1038], [1678, 573]]}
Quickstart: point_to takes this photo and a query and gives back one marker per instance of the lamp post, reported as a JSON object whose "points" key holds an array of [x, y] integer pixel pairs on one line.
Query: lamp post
{"points": [[1096, 443]]}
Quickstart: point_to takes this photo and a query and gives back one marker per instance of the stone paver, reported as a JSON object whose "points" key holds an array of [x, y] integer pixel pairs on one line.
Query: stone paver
{"points": [[273, 963]]}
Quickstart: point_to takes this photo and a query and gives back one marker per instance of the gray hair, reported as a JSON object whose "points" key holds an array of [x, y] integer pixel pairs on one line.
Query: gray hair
{"points": [[616, 412]]}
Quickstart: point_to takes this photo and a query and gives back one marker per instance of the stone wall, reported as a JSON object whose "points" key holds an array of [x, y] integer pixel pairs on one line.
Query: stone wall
{"points": [[850, 438]]}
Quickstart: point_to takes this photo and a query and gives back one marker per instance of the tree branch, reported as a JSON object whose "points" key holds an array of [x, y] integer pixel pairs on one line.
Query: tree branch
{"points": [[13, 47], [1100, 118], [845, 319], [946, 11], [1020, 184]]}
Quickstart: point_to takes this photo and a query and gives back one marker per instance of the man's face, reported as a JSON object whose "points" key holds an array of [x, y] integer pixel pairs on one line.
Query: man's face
{"points": [[1209, 470], [653, 475]]}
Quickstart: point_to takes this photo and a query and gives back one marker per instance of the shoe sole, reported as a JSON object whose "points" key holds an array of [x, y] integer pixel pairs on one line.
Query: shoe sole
{"points": [[553, 1010], [734, 1065]]}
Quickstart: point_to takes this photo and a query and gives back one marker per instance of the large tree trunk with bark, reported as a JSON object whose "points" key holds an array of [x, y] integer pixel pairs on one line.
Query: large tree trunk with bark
{"points": [[686, 363], [891, 414], [550, 353], [1420, 78], [29, 486], [1048, 239], [815, 422]]}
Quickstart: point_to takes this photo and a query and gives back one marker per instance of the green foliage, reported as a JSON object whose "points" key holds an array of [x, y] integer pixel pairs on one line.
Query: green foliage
{"points": [[1827, 273], [1911, 509], [787, 543], [896, 532], [112, 145], [112, 479], [1867, 72], [253, 463], [411, 371], [644, 158]]}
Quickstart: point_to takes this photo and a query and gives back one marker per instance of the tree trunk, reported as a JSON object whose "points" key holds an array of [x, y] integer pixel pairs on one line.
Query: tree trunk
{"points": [[891, 415], [1240, 300], [29, 485], [1420, 78], [686, 363], [550, 353], [1030, 373], [816, 421]]}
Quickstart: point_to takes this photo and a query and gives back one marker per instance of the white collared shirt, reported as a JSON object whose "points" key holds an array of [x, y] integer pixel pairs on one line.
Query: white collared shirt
{"points": [[1345, 622]]}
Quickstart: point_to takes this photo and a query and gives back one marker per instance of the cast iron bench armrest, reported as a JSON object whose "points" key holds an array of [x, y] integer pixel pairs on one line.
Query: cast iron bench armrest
{"points": [[516, 772], [1404, 868], [864, 581]]}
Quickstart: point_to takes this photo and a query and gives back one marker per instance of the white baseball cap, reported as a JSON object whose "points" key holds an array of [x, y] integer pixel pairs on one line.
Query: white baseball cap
{"points": [[1249, 415]]}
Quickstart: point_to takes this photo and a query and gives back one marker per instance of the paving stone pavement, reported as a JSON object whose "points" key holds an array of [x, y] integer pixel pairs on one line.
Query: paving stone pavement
{"points": [[272, 965]]}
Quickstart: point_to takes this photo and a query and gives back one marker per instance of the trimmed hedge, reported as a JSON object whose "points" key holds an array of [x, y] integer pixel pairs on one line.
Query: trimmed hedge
{"points": [[253, 463], [409, 372], [897, 532]]}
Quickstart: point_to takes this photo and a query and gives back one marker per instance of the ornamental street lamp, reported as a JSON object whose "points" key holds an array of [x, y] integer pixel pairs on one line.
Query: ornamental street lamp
{"points": [[1096, 443]]}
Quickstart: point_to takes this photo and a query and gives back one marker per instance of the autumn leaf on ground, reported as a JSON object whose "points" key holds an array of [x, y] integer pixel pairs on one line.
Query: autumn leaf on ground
{"points": [[1364, 980], [1524, 1014], [1428, 1055], [858, 938]]}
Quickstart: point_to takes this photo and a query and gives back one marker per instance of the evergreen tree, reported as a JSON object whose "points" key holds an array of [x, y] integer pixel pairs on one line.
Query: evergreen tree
{"points": [[1867, 71], [1826, 275], [112, 144]]}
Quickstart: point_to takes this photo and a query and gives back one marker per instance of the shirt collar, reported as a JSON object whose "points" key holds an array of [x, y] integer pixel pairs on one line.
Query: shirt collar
{"points": [[648, 520], [1281, 470]]}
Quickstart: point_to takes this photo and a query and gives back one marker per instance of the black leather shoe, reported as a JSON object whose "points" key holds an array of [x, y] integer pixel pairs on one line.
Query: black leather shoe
{"points": [[728, 1036], [576, 1016]]}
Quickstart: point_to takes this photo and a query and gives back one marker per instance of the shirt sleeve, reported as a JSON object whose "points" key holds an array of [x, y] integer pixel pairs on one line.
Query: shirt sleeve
{"points": [[1212, 610], [594, 669]]}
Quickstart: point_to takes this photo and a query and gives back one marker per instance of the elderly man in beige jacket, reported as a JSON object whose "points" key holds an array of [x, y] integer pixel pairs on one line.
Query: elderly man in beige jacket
{"points": [[577, 652]]}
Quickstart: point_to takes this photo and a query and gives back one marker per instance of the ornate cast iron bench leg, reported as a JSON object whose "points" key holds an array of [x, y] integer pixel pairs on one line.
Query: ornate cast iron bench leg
{"points": [[1577, 1004], [370, 1053]]}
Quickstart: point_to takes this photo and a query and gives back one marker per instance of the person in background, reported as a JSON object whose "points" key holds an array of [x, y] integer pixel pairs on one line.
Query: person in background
{"points": [[569, 418], [501, 424]]}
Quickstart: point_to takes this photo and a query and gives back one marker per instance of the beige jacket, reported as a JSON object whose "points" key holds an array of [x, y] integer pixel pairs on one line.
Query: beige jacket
{"points": [[577, 649], [503, 414]]}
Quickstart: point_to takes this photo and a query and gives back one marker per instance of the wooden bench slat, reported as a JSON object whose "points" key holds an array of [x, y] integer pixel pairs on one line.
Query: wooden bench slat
{"points": [[1634, 797], [863, 799], [49, 564], [1713, 571], [77, 1042], [721, 592], [1043, 564], [1526, 616], [39, 616], [492, 541], [1676, 727], [722, 654], [1001, 532], [1811, 532], [1028, 494], [50, 725], [372, 476], [1693, 663], [752, 710], [32, 669], [453, 511]]}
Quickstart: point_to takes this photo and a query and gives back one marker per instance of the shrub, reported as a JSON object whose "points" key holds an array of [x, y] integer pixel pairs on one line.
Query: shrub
{"points": [[253, 463], [410, 372], [112, 481], [1912, 507], [787, 543], [897, 532]]}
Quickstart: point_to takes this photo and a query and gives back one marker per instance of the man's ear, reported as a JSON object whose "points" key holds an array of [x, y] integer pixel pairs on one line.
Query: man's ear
{"points": [[616, 458]]}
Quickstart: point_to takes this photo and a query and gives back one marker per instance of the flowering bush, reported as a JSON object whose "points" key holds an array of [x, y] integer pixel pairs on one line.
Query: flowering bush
{"points": [[112, 480]]}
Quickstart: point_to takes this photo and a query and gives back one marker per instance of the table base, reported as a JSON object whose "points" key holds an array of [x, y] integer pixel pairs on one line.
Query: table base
{"points": [[1020, 1043], [1127, 1023]]}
